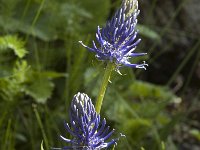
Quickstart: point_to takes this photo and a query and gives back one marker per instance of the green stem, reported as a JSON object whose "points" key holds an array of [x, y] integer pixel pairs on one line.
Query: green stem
{"points": [[35, 18], [103, 87], [41, 126]]}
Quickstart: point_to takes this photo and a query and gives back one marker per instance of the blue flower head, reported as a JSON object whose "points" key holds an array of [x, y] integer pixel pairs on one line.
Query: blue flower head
{"points": [[117, 40], [88, 131]]}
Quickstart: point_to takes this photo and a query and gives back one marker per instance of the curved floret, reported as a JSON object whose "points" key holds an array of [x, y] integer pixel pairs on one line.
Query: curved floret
{"points": [[117, 40], [88, 131]]}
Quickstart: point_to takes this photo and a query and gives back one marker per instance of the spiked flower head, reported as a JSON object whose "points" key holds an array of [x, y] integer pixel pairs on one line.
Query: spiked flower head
{"points": [[89, 133], [117, 40]]}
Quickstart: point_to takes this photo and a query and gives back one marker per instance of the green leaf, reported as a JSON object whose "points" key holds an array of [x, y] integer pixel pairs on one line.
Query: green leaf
{"points": [[9, 89], [42, 148], [195, 133], [91, 81], [40, 89], [163, 146], [11, 85], [147, 91], [20, 71], [146, 31], [99, 9], [52, 74], [136, 128], [14, 43]]}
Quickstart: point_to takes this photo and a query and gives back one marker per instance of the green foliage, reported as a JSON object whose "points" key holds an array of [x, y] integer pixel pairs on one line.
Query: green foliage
{"points": [[26, 81], [148, 90], [146, 31], [40, 89], [137, 108], [57, 20], [136, 128], [195, 133], [13, 43], [42, 146], [42, 66], [8, 137], [10, 86], [34, 67]]}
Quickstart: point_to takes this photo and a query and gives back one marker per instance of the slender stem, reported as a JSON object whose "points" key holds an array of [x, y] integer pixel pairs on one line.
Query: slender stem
{"points": [[41, 126], [36, 18], [103, 87]]}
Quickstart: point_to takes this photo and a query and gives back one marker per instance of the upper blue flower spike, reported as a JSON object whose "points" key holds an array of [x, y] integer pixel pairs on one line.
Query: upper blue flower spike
{"points": [[88, 131], [117, 40]]}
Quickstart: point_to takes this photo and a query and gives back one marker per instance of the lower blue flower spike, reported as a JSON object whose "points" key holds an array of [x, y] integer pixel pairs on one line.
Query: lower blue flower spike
{"points": [[88, 131]]}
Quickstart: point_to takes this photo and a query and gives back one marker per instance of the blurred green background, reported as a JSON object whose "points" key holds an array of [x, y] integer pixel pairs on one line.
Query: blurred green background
{"points": [[42, 66]]}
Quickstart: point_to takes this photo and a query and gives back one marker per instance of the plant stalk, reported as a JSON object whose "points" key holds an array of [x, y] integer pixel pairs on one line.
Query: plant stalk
{"points": [[109, 68]]}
